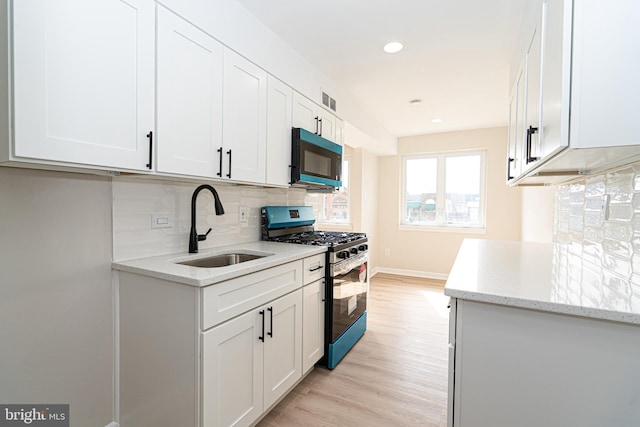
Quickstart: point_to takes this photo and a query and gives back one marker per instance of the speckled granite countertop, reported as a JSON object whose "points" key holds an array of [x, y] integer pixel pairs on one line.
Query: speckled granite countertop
{"points": [[165, 267], [539, 276]]}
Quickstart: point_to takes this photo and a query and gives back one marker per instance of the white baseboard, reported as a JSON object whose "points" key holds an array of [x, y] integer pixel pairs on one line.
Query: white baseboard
{"points": [[410, 273], [112, 424]]}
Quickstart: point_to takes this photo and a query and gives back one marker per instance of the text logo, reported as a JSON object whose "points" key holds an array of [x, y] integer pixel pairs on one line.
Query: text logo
{"points": [[34, 415]]}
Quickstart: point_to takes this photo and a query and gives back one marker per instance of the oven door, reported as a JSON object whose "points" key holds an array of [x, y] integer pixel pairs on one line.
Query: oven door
{"points": [[349, 284]]}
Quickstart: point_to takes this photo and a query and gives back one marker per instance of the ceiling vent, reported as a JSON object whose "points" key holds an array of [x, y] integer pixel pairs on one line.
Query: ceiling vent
{"points": [[328, 101]]}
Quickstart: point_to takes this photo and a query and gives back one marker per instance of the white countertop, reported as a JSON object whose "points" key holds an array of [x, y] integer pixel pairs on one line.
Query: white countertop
{"points": [[537, 276], [165, 267]]}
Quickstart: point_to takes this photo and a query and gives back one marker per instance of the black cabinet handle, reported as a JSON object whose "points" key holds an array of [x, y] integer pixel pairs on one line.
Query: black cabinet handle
{"points": [[509, 160], [530, 132], [320, 121], [150, 136], [219, 150], [317, 268], [229, 153], [261, 337], [271, 320], [317, 126]]}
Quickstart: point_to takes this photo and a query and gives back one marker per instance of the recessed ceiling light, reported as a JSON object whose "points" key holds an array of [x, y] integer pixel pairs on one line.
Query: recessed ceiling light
{"points": [[415, 102], [393, 47], [437, 120]]}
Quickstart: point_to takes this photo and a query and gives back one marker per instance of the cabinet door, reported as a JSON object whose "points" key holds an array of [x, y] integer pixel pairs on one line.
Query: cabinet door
{"points": [[312, 324], [283, 346], [305, 113], [245, 119], [232, 388], [339, 132], [517, 132], [84, 81], [327, 124], [556, 67], [511, 146], [189, 98], [532, 111], [279, 110]]}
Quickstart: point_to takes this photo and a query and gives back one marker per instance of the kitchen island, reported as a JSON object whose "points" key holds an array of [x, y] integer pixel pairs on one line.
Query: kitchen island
{"points": [[538, 337]]}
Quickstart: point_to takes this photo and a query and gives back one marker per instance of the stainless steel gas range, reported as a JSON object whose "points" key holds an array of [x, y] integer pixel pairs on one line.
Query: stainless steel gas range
{"points": [[346, 275]]}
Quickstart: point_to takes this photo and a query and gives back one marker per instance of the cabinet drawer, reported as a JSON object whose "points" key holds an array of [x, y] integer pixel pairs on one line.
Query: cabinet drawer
{"points": [[228, 299], [314, 268]]}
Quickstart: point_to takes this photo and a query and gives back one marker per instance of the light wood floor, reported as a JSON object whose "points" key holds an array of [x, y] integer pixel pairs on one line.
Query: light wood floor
{"points": [[396, 375]]}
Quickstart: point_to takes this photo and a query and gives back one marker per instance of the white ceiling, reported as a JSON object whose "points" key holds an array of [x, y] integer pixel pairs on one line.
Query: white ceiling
{"points": [[456, 56]]}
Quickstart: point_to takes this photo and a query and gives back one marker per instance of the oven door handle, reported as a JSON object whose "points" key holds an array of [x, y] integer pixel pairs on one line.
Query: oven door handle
{"points": [[348, 264]]}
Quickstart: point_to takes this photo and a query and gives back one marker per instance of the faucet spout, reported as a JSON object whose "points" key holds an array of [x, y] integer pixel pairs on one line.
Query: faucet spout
{"points": [[194, 237]]}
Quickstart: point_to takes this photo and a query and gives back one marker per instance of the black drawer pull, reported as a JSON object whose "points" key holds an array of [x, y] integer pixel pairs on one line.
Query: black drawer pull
{"points": [[150, 136], [317, 268], [261, 337]]}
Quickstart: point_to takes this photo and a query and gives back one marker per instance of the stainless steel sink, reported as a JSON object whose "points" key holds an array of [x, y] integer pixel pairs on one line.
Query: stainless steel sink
{"points": [[222, 260]]}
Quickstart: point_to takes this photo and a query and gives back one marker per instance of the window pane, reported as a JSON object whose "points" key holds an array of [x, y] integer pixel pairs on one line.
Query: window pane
{"points": [[421, 185], [462, 190], [335, 206]]}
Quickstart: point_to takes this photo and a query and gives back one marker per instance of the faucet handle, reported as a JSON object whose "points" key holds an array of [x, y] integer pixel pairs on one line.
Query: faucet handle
{"points": [[202, 237]]}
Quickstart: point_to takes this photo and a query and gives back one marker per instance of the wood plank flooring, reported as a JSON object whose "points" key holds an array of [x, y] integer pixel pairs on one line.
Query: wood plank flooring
{"points": [[396, 375]]}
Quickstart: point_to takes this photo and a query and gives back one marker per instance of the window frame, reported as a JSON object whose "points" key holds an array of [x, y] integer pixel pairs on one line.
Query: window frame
{"points": [[440, 225], [343, 223]]}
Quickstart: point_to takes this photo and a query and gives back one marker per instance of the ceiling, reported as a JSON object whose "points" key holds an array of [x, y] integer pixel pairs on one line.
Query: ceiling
{"points": [[456, 56]]}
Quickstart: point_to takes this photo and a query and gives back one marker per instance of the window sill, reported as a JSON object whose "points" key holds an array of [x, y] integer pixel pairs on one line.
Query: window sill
{"points": [[335, 226], [443, 229]]}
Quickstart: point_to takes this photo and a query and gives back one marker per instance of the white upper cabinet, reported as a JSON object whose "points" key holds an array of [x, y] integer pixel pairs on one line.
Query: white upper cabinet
{"points": [[556, 76], [586, 101], [312, 117], [533, 88], [279, 106], [517, 135], [244, 120], [190, 75], [83, 82], [305, 113]]}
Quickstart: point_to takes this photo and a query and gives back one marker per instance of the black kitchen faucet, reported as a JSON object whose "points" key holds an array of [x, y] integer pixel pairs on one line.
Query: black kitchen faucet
{"points": [[194, 237]]}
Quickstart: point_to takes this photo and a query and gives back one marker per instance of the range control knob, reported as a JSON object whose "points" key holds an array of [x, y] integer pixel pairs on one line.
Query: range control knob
{"points": [[353, 250], [363, 247], [343, 254]]}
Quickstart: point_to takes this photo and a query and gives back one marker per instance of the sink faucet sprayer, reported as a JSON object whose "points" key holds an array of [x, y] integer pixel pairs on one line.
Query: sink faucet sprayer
{"points": [[194, 237]]}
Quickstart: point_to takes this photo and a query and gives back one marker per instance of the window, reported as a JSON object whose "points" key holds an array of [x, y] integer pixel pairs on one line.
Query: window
{"points": [[444, 190], [334, 207]]}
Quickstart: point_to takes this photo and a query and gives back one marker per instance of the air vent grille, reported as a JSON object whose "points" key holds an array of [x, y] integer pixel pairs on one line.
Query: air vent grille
{"points": [[328, 101]]}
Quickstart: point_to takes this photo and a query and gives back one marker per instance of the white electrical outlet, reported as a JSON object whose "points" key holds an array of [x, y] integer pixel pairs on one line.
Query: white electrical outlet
{"points": [[387, 251], [163, 220], [242, 214]]}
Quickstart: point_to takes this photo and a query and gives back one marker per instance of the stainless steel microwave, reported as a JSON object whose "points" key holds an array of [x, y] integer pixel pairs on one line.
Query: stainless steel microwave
{"points": [[316, 162]]}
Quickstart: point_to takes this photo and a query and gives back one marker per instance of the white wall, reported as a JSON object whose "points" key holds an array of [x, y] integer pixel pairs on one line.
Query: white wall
{"points": [[56, 304], [431, 253], [537, 214]]}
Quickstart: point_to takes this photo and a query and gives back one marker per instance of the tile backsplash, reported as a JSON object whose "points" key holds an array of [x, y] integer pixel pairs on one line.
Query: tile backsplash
{"points": [[597, 227], [136, 199]]}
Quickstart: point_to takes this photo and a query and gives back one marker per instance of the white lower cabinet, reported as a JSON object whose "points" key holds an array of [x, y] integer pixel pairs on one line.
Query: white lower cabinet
{"points": [[313, 324], [512, 366], [214, 356], [251, 361]]}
